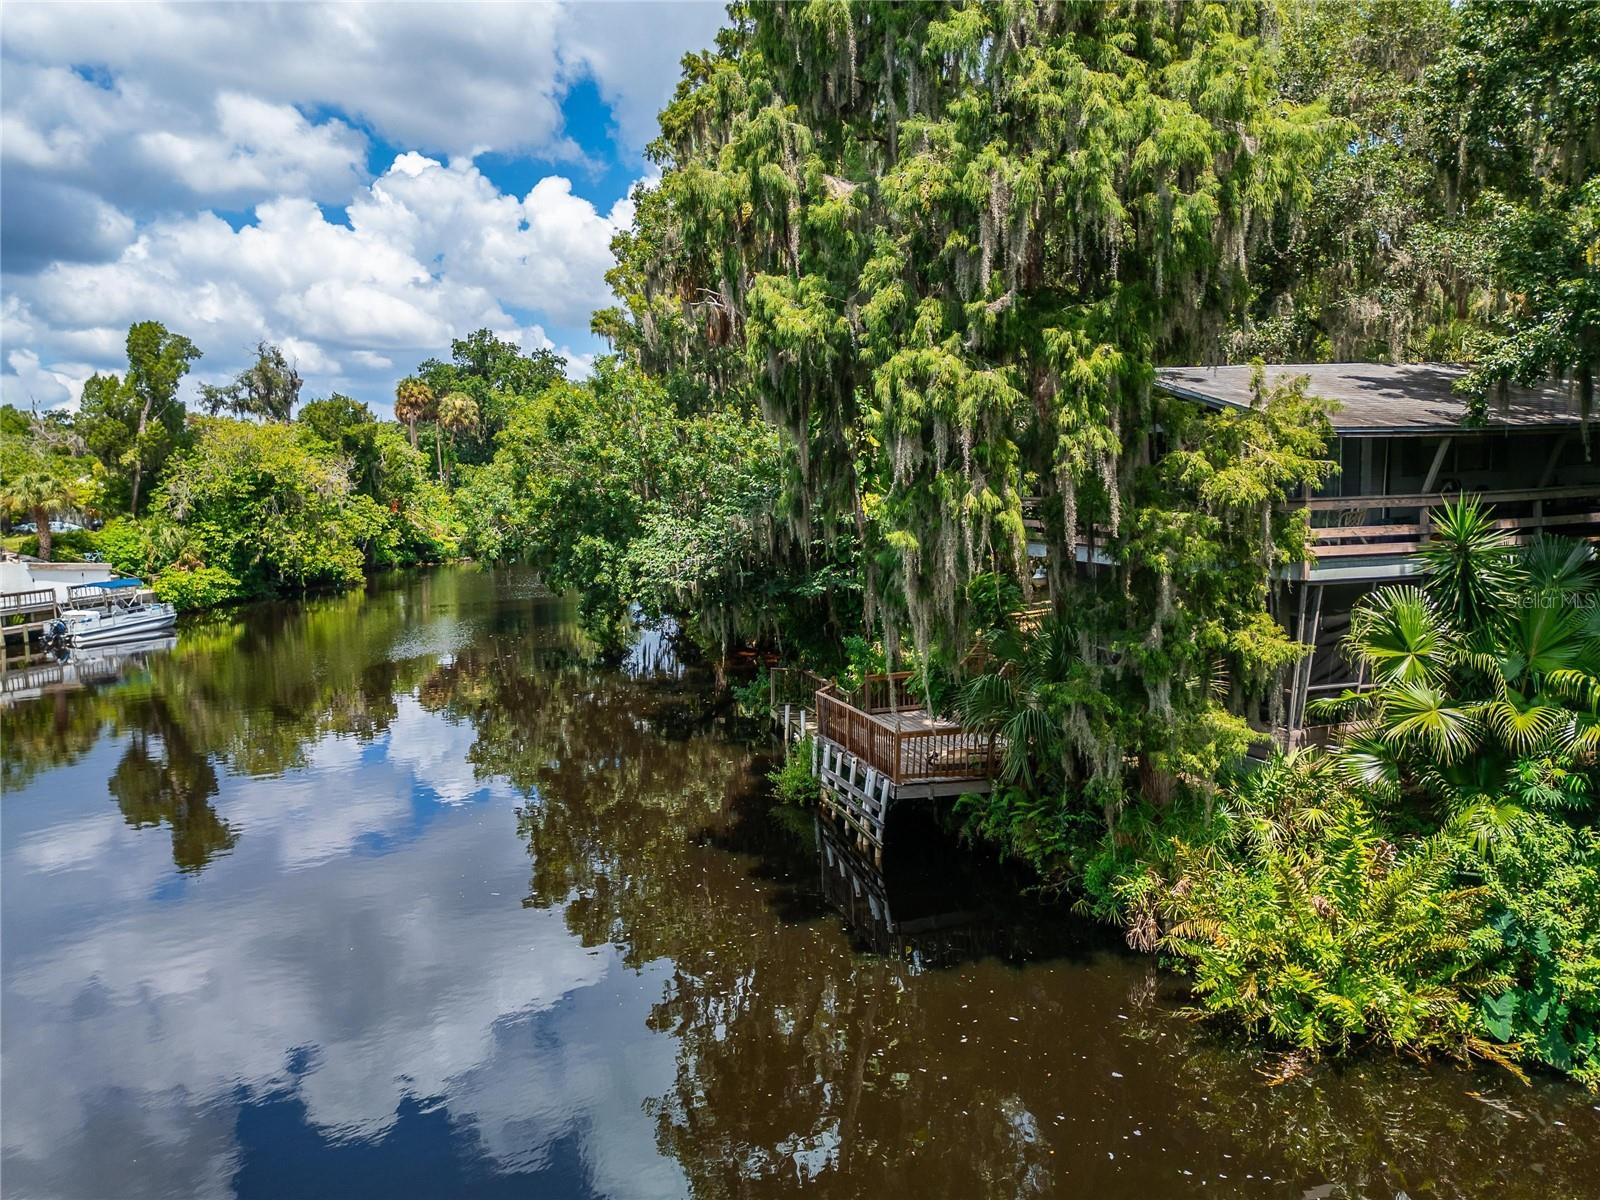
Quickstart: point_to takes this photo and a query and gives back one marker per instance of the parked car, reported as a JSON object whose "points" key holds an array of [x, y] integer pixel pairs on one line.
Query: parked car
{"points": [[55, 527]]}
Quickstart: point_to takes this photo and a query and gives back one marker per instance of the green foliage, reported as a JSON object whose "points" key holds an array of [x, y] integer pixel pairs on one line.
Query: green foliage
{"points": [[1305, 924], [1487, 678], [1045, 829], [126, 545], [413, 401], [134, 423], [73, 545], [1378, 263], [942, 249], [614, 493], [1298, 914], [1461, 219], [257, 509], [252, 500], [1471, 568], [754, 698], [197, 587], [568, 488], [498, 378], [421, 525], [992, 598], [862, 657], [40, 485], [1091, 711], [793, 782], [1513, 106], [1545, 885], [269, 388], [14, 422]]}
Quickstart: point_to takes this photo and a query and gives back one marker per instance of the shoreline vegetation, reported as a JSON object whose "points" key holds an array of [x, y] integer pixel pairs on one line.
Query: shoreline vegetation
{"points": [[907, 267]]}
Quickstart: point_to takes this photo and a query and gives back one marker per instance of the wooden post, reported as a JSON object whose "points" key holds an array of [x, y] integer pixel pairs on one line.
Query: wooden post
{"points": [[1294, 687], [1311, 659]]}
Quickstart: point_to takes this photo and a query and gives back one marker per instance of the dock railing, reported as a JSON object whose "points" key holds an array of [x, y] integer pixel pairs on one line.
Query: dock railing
{"points": [[12, 603], [793, 686], [890, 741]]}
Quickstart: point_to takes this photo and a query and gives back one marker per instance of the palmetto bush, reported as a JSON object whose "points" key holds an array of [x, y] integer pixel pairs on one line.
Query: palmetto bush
{"points": [[1484, 691], [1303, 923], [1545, 914]]}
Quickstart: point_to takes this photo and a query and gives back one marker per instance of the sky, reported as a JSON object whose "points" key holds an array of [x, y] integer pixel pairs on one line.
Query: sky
{"points": [[358, 183]]}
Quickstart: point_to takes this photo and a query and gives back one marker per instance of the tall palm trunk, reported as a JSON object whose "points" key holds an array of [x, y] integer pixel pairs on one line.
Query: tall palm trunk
{"points": [[438, 452], [411, 423], [41, 522]]}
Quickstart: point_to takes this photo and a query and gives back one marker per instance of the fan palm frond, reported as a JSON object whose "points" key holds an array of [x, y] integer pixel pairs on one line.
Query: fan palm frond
{"points": [[1559, 566], [1523, 725], [1418, 714], [1400, 634]]}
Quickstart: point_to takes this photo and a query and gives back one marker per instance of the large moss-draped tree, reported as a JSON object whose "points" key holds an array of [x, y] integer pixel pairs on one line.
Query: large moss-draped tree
{"points": [[943, 247]]}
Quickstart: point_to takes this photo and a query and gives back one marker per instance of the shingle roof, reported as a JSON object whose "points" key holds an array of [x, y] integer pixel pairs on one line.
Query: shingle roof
{"points": [[1378, 398]]}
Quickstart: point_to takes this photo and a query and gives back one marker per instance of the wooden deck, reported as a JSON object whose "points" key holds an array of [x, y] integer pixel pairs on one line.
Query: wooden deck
{"points": [[906, 744], [24, 614], [1383, 533], [876, 747]]}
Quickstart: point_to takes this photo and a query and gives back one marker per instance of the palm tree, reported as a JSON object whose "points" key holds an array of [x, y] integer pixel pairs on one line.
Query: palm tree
{"points": [[40, 491], [1489, 717], [1012, 701], [1470, 566], [458, 413], [413, 400]]}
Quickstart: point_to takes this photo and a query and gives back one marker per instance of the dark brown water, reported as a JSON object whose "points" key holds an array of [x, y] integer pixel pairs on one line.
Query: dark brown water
{"points": [[390, 895]]}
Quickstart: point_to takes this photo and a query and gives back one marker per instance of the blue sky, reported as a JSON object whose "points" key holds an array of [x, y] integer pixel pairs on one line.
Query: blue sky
{"points": [[358, 183]]}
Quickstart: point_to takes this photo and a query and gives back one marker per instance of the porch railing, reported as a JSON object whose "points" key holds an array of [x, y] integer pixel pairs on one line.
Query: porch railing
{"points": [[891, 742], [30, 601]]}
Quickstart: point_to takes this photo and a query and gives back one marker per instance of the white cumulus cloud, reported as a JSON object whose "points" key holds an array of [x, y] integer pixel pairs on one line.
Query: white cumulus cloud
{"points": [[211, 165], [431, 252]]}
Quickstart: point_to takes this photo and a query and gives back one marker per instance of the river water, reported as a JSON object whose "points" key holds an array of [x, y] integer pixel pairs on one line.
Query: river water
{"points": [[391, 895]]}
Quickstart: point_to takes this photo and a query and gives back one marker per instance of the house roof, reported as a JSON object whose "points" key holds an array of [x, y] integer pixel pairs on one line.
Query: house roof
{"points": [[1379, 398]]}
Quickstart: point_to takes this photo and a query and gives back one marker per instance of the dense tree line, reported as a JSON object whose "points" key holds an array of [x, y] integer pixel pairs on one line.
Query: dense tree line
{"points": [[213, 508]]}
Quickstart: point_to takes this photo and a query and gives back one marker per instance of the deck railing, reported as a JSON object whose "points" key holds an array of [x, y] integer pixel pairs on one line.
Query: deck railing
{"points": [[886, 693], [793, 686], [1398, 524], [890, 742], [31, 601], [1362, 536]]}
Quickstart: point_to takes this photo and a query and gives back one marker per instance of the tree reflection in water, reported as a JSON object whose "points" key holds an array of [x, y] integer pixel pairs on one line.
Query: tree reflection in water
{"points": [[947, 1042], [249, 693], [927, 1035], [162, 778]]}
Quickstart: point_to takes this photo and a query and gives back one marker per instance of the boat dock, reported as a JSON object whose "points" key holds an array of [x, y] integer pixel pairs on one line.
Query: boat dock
{"points": [[24, 615], [877, 746]]}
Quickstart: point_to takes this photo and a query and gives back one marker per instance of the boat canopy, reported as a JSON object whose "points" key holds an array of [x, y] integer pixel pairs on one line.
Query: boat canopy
{"points": [[116, 583]]}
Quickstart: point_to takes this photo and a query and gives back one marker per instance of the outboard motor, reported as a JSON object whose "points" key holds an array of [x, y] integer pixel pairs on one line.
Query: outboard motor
{"points": [[55, 634]]}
